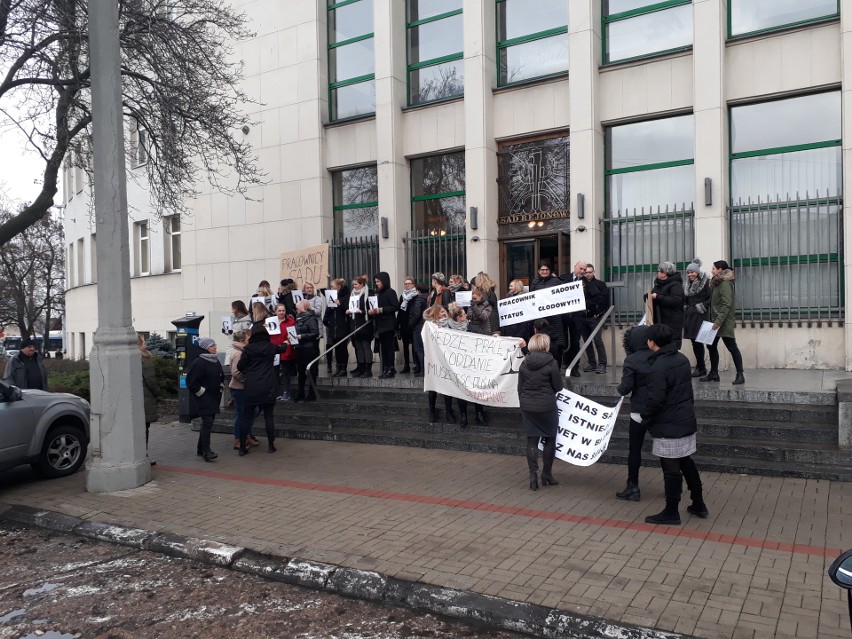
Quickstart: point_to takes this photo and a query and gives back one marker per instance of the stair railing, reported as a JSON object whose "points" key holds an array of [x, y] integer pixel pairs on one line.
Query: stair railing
{"points": [[322, 405], [588, 341]]}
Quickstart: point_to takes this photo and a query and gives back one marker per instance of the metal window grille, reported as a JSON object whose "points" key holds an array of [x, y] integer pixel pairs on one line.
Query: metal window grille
{"points": [[430, 251], [786, 255], [353, 256], [636, 243]]}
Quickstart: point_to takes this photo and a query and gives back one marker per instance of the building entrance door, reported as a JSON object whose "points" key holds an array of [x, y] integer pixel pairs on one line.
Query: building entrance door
{"points": [[519, 259]]}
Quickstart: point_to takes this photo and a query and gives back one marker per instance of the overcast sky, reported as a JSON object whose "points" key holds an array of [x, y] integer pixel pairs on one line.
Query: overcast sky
{"points": [[21, 169]]}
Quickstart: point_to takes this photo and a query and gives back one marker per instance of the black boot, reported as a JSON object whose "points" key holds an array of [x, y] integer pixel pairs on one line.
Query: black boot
{"points": [[739, 379], [451, 416], [696, 490], [547, 467], [669, 516], [463, 419], [406, 369], [367, 372], [341, 372], [533, 480], [209, 456], [356, 372], [433, 415], [699, 371], [631, 492], [712, 376], [532, 461], [480, 416], [329, 368]]}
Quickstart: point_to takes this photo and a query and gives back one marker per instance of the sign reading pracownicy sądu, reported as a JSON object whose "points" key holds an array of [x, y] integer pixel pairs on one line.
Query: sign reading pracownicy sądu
{"points": [[584, 428], [565, 298], [478, 368]]}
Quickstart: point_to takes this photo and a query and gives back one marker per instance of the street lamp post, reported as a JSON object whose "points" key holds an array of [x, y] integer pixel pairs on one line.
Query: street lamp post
{"points": [[118, 456]]}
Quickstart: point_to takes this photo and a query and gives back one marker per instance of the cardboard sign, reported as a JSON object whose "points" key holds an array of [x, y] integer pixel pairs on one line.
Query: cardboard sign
{"points": [[557, 300], [584, 428], [463, 298], [309, 264], [478, 368], [273, 326]]}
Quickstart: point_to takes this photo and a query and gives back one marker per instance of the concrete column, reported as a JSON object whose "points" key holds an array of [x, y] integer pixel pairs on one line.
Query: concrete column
{"points": [[118, 457], [394, 183], [587, 140], [711, 130], [480, 157], [846, 69]]}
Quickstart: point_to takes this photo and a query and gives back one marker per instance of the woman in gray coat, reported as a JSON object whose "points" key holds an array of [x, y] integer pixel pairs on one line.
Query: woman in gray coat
{"points": [[538, 382], [150, 387]]}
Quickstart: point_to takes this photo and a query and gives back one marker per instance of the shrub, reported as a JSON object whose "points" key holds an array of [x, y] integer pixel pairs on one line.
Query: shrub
{"points": [[160, 346], [167, 376], [69, 376]]}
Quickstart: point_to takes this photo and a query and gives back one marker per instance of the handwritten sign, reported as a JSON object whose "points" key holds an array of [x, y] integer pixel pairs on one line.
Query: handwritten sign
{"points": [[584, 428], [273, 326], [331, 298], [565, 298], [478, 368], [463, 298], [707, 334], [306, 265]]}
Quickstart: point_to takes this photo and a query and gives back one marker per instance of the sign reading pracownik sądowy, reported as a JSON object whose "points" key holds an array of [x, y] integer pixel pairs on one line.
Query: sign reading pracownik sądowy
{"points": [[565, 298], [584, 428], [477, 368]]}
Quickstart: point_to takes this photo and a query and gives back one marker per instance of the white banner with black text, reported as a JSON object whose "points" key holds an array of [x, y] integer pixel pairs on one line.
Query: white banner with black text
{"points": [[565, 298], [584, 428]]}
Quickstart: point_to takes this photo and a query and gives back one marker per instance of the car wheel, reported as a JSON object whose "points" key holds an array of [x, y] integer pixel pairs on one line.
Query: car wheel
{"points": [[63, 451]]}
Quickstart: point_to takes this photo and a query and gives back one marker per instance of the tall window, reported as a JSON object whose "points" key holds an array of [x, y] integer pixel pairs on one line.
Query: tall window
{"points": [[69, 267], [642, 28], [748, 17], [138, 144], [81, 262], [435, 50], [356, 202], [93, 253], [171, 243], [351, 59], [650, 181], [143, 248], [786, 217], [438, 193], [532, 39]]}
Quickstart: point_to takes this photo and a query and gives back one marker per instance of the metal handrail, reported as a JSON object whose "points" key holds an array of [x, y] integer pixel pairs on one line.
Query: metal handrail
{"points": [[322, 406], [588, 341]]}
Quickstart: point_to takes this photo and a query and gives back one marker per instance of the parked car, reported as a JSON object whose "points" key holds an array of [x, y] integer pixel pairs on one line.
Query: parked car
{"points": [[49, 431]]}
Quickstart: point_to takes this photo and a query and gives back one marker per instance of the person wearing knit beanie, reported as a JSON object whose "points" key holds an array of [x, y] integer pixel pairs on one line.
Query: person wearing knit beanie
{"points": [[696, 291]]}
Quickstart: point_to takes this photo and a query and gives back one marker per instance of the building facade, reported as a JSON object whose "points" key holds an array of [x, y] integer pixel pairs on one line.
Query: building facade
{"points": [[487, 135]]}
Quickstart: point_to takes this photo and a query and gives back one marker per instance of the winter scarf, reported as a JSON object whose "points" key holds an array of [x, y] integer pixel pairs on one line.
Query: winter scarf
{"points": [[407, 296], [210, 357], [693, 287], [458, 326]]}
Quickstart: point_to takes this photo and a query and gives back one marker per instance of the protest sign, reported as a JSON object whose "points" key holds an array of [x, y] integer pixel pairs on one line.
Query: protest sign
{"points": [[372, 302], [463, 298], [565, 298], [706, 334], [291, 335], [477, 368], [354, 305], [273, 326], [331, 298], [584, 428], [309, 264], [298, 296], [227, 328]]}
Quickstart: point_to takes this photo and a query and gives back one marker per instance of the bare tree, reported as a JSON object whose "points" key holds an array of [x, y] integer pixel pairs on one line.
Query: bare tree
{"points": [[181, 93], [32, 276]]}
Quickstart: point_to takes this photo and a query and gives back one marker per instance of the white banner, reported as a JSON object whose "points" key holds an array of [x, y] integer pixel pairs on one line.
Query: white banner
{"points": [[584, 428], [478, 368], [565, 298], [707, 334]]}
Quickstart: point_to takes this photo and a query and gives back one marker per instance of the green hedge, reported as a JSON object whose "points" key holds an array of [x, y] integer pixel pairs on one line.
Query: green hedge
{"points": [[69, 376]]}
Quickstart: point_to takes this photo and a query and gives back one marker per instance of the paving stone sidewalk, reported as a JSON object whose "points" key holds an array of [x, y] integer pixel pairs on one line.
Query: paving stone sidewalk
{"points": [[755, 568]]}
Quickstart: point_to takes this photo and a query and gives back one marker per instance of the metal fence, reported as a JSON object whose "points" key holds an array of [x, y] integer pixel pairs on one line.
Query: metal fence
{"points": [[636, 242], [429, 251], [353, 256], [787, 259]]}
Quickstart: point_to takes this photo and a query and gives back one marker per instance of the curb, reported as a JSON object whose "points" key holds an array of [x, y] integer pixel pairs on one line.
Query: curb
{"points": [[464, 605]]}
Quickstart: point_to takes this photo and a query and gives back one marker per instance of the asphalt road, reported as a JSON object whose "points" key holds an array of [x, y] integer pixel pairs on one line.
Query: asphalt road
{"points": [[56, 586]]}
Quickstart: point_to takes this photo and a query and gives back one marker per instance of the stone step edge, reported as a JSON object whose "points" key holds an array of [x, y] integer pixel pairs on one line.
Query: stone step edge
{"points": [[465, 605]]}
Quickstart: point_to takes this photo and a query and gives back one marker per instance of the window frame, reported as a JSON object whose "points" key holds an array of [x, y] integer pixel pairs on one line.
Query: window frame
{"points": [[783, 27], [423, 64], [361, 79], [525, 39], [607, 19], [143, 248], [338, 231], [169, 237], [436, 196]]}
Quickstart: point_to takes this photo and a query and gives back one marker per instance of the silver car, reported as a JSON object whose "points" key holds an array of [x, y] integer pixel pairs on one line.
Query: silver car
{"points": [[49, 431]]}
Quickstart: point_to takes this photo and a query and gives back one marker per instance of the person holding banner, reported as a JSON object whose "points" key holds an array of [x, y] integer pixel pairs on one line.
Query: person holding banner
{"points": [[480, 313], [546, 279], [724, 317], [384, 318], [483, 282], [538, 382], [357, 311], [437, 314], [523, 330], [669, 416]]}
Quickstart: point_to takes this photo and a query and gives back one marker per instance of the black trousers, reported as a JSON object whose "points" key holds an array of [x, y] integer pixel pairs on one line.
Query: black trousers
{"points": [[433, 399], [363, 352], [204, 434], [268, 418], [386, 343], [573, 324], [636, 437], [304, 355], [341, 354], [589, 324], [698, 351], [733, 349]]}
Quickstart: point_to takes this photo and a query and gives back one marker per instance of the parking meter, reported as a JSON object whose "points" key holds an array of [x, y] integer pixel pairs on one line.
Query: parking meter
{"points": [[187, 350], [840, 572]]}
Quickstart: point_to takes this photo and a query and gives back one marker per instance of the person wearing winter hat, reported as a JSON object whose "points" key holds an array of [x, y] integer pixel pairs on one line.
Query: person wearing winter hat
{"points": [[25, 368], [440, 293], [696, 293], [285, 296], [724, 317], [667, 298], [204, 380]]}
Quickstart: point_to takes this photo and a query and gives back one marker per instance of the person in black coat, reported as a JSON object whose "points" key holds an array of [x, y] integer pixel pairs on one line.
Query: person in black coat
{"points": [[669, 415], [384, 319], [257, 363], [667, 297], [697, 295], [415, 325], [307, 350], [634, 382], [204, 380], [440, 293], [285, 296], [538, 382], [546, 279], [597, 303], [339, 325], [557, 345], [403, 326], [357, 311]]}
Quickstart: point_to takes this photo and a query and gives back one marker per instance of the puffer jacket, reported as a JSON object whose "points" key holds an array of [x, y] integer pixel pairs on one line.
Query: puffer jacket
{"points": [[204, 380], [669, 408], [257, 364], [385, 321], [636, 368], [668, 306], [479, 315], [316, 307], [538, 382], [722, 311], [416, 307], [307, 328]]}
